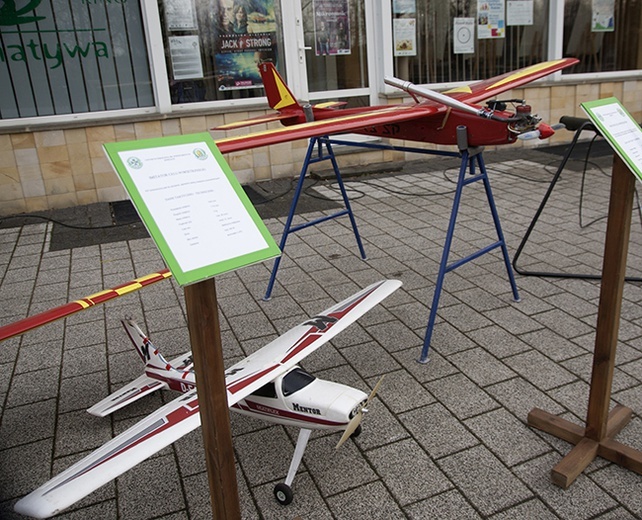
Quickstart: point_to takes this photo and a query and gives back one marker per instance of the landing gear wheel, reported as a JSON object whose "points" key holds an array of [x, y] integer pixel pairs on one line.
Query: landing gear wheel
{"points": [[283, 494], [356, 433]]}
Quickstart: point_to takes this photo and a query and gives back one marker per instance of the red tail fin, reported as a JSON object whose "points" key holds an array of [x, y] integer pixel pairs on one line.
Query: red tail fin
{"points": [[279, 95]]}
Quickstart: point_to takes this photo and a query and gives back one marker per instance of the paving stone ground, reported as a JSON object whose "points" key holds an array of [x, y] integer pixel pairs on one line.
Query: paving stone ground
{"points": [[447, 439]]}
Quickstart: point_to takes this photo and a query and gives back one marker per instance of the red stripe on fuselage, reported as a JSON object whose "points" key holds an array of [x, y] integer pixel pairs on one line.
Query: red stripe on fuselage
{"points": [[262, 409]]}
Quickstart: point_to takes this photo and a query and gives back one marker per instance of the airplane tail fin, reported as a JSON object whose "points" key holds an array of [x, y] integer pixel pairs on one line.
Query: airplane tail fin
{"points": [[145, 348], [144, 384], [279, 96]]}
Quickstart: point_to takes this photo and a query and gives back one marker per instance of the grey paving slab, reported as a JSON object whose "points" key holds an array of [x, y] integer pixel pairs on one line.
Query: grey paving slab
{"points": [[584, 499], [481, 367], [539, 370], [370, 501], [508, 437], [445, 439], [408, 472], [438, 431], [487, 483], [461, 396], [450, 505]]}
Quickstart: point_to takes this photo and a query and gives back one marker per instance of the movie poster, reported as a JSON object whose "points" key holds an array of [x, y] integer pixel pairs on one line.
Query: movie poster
{"points": [[246, 35], [331, 27]]}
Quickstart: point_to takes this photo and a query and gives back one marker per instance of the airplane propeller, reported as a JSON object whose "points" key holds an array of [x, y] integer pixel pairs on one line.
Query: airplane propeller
{"points": [[355, 422]]}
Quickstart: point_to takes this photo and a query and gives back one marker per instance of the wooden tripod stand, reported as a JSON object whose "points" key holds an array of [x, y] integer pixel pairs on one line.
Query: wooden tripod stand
{"points": [[597, 438]]}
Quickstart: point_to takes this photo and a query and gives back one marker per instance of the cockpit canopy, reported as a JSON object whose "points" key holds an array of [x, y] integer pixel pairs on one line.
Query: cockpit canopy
{"points": [[292, 382]]}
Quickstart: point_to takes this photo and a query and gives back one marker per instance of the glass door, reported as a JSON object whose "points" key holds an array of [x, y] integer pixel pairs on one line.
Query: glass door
{"points": [[335, 57]]}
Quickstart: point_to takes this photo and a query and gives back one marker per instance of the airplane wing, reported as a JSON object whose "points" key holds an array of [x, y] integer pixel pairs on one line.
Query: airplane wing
{"points": [[160, 429], [179, 417], [488, 88], [381, 115], [287, 350], [37, 320], [339, 125]]}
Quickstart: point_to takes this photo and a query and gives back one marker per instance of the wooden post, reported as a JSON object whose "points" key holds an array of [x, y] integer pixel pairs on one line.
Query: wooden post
{"points": [[205, 337], [601, 426]]}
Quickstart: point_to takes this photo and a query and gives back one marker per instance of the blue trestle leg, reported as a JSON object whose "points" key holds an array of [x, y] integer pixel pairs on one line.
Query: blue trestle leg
{"points": [[316, 143], [468, 160]]}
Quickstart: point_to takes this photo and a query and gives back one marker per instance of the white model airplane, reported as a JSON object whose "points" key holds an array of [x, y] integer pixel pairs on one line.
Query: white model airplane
{"points": [[268, 385]]}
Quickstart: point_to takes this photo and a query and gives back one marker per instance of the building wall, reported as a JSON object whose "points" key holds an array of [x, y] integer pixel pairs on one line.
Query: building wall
{"points": [[58, 168]]}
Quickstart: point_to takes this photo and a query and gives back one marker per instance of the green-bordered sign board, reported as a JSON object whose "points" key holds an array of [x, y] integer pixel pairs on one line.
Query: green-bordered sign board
{"points": [[192, 205], [621, 131]]}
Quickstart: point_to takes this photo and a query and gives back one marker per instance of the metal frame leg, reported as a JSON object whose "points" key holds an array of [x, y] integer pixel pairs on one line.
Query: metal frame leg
{"points": [[344, 194], [309, 159], [467, 164], [498, 228]]}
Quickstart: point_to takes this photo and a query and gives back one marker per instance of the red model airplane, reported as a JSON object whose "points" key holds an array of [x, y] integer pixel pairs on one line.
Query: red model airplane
{"points": [[432, 118]]}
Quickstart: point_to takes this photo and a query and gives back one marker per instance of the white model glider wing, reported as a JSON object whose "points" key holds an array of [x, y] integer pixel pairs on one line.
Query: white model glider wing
{"points": [[160, 429], [287, 350]]}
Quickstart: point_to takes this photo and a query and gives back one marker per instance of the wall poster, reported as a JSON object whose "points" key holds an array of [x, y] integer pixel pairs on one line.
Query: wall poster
{"points": [[490, 19], [464, 35], [180, 15], [603, 16], [405, 36], [185, 54], [246, 36], [519, 12], [331, 27]]}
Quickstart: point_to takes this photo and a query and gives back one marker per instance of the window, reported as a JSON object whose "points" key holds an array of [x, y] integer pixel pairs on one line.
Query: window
{"points": [[267, 390], [603, 41], [212, 47], [438, 41], [295, 381], [63, 57]]}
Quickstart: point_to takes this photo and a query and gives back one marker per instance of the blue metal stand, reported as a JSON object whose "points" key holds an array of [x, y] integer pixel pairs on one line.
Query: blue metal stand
{"points": [[318, 144], [469, 157]]}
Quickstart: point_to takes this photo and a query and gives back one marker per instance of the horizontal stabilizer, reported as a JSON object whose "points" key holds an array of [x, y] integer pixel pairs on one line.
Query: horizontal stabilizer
{"points": [[270, 118], [138, 388]]}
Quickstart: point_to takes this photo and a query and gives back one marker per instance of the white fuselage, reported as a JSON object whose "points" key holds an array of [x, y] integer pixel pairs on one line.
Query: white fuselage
{"points": [[293, 399]]}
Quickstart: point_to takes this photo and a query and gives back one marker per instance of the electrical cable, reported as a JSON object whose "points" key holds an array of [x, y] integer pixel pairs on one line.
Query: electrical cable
{"points": [[586, 125], [64, 224]]}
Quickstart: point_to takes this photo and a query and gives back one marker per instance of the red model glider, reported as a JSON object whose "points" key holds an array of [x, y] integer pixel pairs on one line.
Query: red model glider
{"points": [[433, 117]]}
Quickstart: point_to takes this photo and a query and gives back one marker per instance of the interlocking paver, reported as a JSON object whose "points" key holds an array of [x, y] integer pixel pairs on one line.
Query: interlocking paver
{"points": [[447, 439]]}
